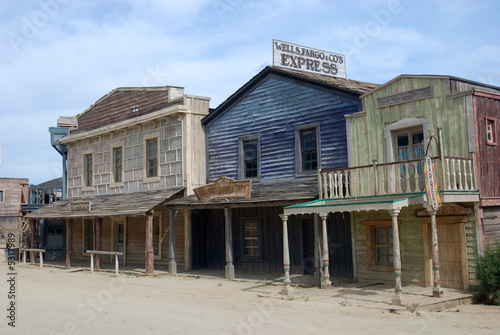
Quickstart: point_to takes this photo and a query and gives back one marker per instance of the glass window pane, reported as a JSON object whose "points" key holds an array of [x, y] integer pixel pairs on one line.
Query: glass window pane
{"points": [[403, 140]]}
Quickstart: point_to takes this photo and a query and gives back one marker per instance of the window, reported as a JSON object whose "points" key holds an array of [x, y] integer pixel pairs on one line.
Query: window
{"points": [[117, 165], [410, 145], [249, 157], [379, 245], [382, 245], [88, 235], [1, 196], [151, 157], [308, 148], [87, 170], [491, 131], [251, 239], [157, 236]]}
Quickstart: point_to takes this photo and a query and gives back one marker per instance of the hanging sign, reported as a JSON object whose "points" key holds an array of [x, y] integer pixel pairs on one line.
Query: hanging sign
{"points": [[80, 206], [225, 188], [297, 57], [431, 184]]}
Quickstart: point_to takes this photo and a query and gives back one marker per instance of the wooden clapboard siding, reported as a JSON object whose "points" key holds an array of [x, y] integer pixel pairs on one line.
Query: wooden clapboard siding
{"points": [[491, 225], [441, 111], [411, 243], [273, 109], [489, 155]]}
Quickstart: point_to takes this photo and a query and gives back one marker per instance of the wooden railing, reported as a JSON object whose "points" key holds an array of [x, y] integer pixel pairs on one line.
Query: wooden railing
{"points": [[396, 178]]}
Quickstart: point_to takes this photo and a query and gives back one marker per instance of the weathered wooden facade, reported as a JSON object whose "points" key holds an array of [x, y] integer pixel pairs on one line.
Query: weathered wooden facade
{"points": [[133, 150], [14, 192], [399, 233], [274, 131]]}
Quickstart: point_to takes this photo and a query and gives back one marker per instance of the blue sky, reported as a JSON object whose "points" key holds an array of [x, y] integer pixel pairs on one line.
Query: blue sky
{"points": [[60, 56]]}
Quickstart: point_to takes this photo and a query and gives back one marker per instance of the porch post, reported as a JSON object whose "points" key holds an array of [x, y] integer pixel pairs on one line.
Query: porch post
{"points": [[172, 265], [437, 291], [69, 242], [326, 283], [318, 276], [398, 298], [229, 243], [149, 257], [287, 289], [98, 238], [33, 241]]}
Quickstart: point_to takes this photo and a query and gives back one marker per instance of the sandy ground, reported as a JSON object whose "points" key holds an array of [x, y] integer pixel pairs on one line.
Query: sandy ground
{"points": [[58, 301]]}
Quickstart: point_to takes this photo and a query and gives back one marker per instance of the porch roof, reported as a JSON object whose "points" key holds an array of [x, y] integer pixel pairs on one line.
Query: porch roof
{"points": [[376, 203], [108, 205], [266, 193]]}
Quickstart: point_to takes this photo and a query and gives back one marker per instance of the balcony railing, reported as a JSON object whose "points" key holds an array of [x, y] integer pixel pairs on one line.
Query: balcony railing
{"points": [[397, 178]]}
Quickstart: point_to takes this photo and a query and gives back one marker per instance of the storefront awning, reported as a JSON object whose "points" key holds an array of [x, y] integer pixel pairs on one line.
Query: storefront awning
{"points": [[109, 205], [265, 193]]}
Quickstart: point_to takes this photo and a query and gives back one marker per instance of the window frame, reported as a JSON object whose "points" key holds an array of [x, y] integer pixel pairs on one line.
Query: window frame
{"points": [[244, 256], [85, 223], [113, 165], [411, 146], [147, 138], [241, 156], [371, 245], [299, 171], [85, 154], [493, 132]]}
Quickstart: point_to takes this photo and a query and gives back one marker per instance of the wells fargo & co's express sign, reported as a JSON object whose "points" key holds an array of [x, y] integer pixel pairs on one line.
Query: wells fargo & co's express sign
{"points": [[301, 58]]}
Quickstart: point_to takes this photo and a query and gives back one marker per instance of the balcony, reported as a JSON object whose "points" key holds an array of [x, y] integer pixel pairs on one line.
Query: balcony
{"points": [[403, 177]]}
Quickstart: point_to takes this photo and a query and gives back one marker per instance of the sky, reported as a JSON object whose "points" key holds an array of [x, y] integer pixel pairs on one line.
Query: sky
{"points": [[58, 57]]}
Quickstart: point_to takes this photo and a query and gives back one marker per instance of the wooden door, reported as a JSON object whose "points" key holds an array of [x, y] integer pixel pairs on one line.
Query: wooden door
{"points": [[452, 253]]}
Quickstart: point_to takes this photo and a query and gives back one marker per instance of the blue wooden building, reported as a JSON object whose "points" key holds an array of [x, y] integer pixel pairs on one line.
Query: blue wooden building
{"points": [[275, 131]]}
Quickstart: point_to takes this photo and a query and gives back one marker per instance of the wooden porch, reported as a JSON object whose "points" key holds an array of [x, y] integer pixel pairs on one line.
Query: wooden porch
{"points": [[403, 177]]}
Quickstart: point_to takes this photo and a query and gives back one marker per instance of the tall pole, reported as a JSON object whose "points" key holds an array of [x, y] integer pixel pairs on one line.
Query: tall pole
{"points": [[149, 253], [69, 242], [287, 289], [98, 237], [326, 283], [229, 244], [437, 291], [398, 298]]}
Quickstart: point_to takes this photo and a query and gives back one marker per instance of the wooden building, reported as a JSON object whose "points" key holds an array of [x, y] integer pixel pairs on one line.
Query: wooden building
{"points": [[14, 192], [399, 232], [133, 150], [273, 132]]}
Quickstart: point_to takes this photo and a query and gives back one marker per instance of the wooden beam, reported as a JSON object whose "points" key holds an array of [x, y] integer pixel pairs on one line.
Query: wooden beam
{"points": [[33, 241], [69, 242], [172, 265], [149, 257], [229, 244]]}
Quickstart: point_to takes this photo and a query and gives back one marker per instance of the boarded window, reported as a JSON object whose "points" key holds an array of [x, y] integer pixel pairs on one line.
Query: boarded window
{"points": [[87, 161], [117, 165], [152, 158]]}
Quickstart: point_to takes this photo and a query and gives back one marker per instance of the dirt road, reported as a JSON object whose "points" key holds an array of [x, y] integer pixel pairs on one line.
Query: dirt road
{"points": [[57, 301]]}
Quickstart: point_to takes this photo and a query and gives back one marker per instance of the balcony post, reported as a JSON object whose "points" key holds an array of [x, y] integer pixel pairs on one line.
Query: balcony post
{"points": [[375, 179], [287, 289], [398, 298], [320, 183], [326, 283], [437, 291]]}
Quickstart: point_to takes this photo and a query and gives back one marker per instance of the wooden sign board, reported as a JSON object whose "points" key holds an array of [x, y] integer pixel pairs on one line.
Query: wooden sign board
{"points": [[399, 98], [298, 57], [225, 188], [446, 210], [431, 184], [81, 206]]}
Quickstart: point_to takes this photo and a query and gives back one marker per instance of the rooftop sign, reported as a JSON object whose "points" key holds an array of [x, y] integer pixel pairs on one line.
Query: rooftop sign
{"points": [[297, 57], [225, 188]]}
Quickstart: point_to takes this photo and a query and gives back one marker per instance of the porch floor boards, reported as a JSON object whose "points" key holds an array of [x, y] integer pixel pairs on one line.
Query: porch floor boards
{"points": [[344, 292]]}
